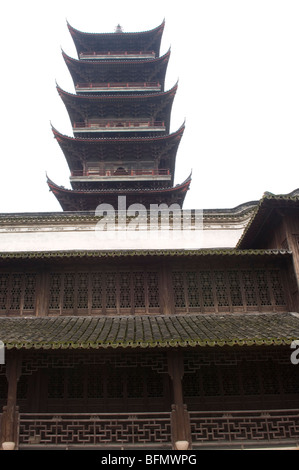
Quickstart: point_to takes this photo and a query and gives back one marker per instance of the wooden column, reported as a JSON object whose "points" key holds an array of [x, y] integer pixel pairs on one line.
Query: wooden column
{"points": [[180, 417], [166, 290], [41, 304], [9, 425]]}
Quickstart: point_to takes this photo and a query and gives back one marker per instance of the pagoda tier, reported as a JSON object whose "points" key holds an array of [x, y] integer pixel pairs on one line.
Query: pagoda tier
{"points": [[119, 41], [128, 153], [74, 200], [123, 72], [121, 179], [120, 116], [146, 113]]}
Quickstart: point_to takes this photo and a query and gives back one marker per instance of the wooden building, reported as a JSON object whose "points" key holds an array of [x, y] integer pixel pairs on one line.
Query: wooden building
{"points": [[117, 344]]}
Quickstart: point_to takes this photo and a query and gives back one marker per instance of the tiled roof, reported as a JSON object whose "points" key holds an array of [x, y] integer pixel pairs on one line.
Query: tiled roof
{"points": [[262, 212], [149, 331]]}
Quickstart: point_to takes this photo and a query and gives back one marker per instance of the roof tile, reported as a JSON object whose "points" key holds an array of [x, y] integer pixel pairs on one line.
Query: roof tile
{"points": [[149, 330]]}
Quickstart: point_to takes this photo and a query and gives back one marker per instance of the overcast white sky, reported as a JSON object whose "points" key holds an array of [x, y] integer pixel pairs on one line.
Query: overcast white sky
{"points": [[237, 63]]}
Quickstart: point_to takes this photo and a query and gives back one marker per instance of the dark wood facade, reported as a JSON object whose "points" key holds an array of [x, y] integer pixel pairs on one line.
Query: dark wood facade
{"points": [[202, 283], [57, 393], [144, 399]]}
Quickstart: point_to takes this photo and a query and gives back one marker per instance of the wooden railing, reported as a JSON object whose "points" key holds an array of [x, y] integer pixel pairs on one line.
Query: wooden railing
{"points": [[125, 173], [220, 429], [118, 125], [116, 54], [244, 427], [119, 430], [118, 85]]}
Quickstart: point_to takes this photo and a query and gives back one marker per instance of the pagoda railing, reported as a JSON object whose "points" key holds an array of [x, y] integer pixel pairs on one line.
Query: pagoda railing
{"points": [[121, 172], [82, 429], [245, 427], [118, 125], [118, 54], [208, 429], [115, 86]]}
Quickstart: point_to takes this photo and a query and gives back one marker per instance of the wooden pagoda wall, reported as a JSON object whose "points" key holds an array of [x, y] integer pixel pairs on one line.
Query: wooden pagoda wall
{"points": [[117, 381], [134, 397], [166, 287]]}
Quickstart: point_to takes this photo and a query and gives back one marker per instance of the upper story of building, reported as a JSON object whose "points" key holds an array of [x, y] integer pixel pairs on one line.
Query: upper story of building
{"points": [[120, 116]]}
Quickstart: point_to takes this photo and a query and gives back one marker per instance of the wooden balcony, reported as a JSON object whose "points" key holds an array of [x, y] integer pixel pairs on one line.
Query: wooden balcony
{"points": [[218, 430], [113, 87], [245, 429], [115, 55], [120, 174], [118, 126], [116, 430]]}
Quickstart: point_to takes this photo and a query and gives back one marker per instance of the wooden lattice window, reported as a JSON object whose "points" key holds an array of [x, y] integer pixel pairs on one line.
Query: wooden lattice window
{"points": [[104, 292], [245, 380], [125, 290], [193, 290], [95, 383], [277, 287], [263, 287], [56, 383], [250, 295], [230, 380], [235, 288], [206, 284], [110, 284], [229, 290], [250, 383], [17, 292], [96, 291], [178, 289], [104, 382], [153, 289]]}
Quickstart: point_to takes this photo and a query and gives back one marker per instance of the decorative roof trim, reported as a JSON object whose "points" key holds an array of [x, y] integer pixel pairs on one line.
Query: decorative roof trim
{"points": [[183, 186], [236, 213], [114, 97], [111, 140], [231, 252], [156, 29], [86, 62]]}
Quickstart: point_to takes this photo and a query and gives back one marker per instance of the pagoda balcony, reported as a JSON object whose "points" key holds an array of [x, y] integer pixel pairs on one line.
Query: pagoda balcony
{"points": [[117, 55], [248, 429], [113, 87], [119, 126], [96, 174]]}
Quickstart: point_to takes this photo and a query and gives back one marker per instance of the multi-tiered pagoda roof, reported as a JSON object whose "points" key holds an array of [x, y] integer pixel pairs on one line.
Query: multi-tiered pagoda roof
{"points": [[120, 116], [145, 41]]}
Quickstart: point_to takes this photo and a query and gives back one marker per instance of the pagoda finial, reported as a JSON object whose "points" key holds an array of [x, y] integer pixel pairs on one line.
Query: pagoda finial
{"points": [[119, 29]]}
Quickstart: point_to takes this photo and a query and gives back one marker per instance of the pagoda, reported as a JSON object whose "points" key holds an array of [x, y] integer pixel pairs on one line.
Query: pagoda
{"points": [[120, 116], [111, 344]]}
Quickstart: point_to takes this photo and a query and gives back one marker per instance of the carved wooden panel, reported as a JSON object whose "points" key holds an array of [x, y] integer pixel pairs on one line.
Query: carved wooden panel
{"points": [[95, 429], [131, 291], [17, 292], [104, 292], [225, 290], [244, 427]]}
